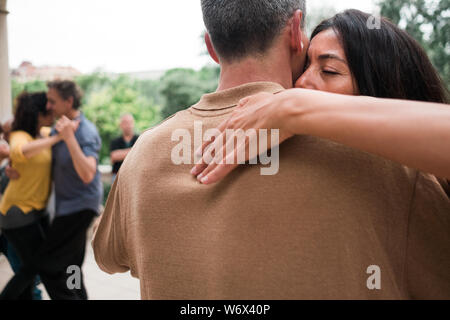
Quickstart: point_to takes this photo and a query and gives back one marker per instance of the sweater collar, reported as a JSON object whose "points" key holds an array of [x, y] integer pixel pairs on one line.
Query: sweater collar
{"points": [[230, 98]]}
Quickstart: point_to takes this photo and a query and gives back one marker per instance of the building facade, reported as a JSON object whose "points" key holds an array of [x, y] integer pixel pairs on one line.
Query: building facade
{"points": [[5, 82]]}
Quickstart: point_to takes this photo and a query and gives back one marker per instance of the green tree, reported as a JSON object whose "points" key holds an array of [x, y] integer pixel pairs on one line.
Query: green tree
{"points": [[105, 105], [107, 97], [92, 82], [428, 21], [181, 88], [150, 89], [31, 86]]}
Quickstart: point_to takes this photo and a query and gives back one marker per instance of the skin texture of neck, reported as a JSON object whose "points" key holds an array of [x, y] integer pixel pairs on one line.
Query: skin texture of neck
{"points": [[73, 114], [273, 67], [127, 137]]}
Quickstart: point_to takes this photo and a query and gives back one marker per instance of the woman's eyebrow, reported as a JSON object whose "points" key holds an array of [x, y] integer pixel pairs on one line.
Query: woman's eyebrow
{"points": [[327, 56]]}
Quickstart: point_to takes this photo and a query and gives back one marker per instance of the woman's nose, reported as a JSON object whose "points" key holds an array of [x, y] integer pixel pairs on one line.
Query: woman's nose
{"points": [[305, 81]]}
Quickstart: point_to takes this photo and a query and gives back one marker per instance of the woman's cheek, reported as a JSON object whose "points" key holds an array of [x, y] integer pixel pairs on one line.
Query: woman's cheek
{"points": [[340, 86]]}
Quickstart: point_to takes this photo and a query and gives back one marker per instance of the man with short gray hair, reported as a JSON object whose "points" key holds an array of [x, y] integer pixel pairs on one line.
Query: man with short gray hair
{"points": [[332, 223], [180, 238], [240, 29]]}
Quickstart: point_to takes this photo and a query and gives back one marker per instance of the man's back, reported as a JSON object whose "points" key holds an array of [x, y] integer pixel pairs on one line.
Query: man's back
{"points": [[310, 231]]}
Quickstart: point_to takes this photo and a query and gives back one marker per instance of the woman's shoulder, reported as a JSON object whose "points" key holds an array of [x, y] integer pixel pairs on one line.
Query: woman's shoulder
{"points": [[46, 131], [20, 135]]}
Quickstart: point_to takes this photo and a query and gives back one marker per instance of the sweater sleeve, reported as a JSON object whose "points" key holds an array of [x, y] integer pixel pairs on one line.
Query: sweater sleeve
{"points": [[428, 249], [108, 241]]}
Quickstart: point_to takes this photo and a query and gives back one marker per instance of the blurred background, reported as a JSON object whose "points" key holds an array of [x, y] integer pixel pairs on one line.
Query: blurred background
{"points": [[148, 58]]}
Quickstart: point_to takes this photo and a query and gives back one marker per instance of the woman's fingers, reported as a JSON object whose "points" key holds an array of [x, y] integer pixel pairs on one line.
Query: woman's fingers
{"points": [[218, 173], [213, 155], [243, 102], [206, 157], [207, 170], [256, 97], [222, 126], [198, 168], [200, 152], [231, 155]]}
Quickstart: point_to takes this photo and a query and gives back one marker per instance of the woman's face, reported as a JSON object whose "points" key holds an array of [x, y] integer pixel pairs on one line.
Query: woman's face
{"points": [[327, 68], [46, 120]]}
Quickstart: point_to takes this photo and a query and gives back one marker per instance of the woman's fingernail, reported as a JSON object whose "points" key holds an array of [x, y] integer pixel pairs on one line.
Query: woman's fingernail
{"points": [[194, 171], [199, 177], [205, 180]]}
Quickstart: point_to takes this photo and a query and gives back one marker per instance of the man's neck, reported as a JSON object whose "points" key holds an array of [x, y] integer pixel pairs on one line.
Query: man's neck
{"points": [[256, 70], [73, 114], [128, 137]]}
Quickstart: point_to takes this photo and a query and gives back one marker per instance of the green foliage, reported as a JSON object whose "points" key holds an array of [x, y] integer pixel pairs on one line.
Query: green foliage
{"points": [[92, 82], [32, 86], [428, 21], [150, 90], [107, 99], [149, 101], [181, 88]]}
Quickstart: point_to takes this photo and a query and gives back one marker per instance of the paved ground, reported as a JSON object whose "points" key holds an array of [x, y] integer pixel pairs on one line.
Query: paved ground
{"points": [[100, 285]]}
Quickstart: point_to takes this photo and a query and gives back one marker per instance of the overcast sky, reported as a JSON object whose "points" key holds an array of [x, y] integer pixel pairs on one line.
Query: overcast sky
{"points": [[116, 36]]}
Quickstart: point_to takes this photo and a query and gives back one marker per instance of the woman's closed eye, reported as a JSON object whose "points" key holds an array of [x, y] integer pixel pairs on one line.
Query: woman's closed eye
{"points": [[330, 72]]}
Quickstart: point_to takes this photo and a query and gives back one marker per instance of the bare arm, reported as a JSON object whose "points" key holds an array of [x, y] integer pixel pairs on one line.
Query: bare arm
{"points": [[119, 155], [86, 167], [35, 147], [416, 134], [26, 151]]}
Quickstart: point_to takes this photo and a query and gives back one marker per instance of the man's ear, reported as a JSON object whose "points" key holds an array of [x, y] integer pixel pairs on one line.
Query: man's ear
{"points": [[210, 47], [296, 32], [70, 102]]}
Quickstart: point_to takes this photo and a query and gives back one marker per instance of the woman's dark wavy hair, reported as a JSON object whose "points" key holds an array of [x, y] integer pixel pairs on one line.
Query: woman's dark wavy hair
{"points": [[28, 108], [385, 62]]}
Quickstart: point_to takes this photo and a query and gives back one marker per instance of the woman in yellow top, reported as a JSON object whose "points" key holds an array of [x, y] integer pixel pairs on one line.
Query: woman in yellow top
{"points": [[23, 218]]}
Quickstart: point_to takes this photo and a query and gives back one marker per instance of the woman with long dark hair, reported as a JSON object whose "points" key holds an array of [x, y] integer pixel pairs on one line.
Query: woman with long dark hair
{"points": [[23, 215], [348, 65]]}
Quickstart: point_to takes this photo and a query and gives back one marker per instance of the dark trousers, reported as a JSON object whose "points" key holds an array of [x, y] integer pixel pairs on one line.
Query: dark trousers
{"points": [[6, 249], [63, 247], [25, 241]]}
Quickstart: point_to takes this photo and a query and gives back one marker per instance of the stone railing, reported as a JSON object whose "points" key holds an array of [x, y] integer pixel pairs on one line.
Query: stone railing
{"points": [[106, 172]]}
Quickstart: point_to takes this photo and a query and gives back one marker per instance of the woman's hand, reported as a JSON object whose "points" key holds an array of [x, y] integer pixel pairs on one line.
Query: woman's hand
{"points": [[66, 127], [261, 111], [12, 173]]}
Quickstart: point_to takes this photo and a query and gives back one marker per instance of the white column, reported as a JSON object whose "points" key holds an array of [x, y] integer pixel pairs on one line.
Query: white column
{"points": [[5, 82]]}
